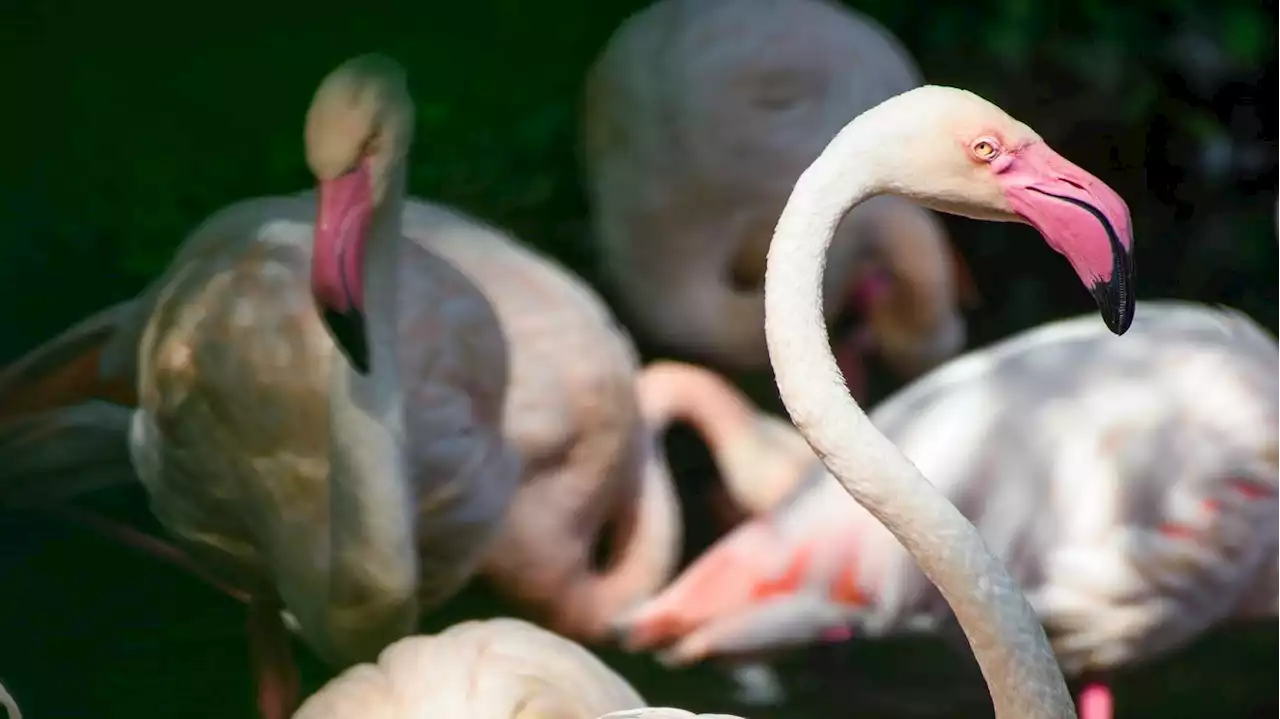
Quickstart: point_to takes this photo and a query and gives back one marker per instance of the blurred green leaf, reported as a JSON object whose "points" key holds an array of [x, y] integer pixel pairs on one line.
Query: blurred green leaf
{"points": [[1245, 31]]}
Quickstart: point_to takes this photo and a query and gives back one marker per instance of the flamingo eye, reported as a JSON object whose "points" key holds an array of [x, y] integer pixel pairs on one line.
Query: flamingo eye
{"points": [[986, 149]]}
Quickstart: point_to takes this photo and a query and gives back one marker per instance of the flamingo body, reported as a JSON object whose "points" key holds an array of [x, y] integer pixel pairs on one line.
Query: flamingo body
{"points": [[231, 437], [693, 140], [572, 411], [1130, 485]]}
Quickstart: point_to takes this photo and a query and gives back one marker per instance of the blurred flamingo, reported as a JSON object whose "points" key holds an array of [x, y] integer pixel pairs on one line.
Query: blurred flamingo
{"points": [[1129, 485], [592, 465], [558, 375], [759, 457], [494, 669], [283, 465], [692, 141], [663, 713]]}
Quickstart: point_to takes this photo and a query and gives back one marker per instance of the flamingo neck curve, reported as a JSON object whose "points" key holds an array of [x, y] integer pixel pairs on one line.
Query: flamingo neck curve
{"points": [[1008, 641]]}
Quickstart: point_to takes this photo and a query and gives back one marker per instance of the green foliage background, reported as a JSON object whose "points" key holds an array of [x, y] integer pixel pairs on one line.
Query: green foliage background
{"points": [[128, 122]]}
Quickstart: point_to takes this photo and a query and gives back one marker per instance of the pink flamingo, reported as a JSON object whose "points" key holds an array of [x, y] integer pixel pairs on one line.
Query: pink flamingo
{"points": [[1131, 487], [493, 669], [949, 150], [554, 374], [692, 141]]}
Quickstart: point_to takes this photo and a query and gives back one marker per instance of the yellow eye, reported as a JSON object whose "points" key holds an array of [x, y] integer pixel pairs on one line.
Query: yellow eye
{"points": [[985, 150]]}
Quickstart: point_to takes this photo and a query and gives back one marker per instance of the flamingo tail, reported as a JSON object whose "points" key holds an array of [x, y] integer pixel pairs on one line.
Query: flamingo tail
{"points": [[81, 364], [52, 456]]}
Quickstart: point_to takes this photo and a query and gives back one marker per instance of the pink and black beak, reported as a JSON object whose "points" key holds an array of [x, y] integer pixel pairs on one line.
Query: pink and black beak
{"points": [[1081, 218], [337, 262]]}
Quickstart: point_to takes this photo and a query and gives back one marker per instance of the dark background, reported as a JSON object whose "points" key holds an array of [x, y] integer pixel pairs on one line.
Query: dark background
{"points": [[128, 122]]}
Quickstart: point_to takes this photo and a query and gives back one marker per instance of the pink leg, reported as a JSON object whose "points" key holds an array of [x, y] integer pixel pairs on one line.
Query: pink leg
{"points": [[1095, 702], [271, 657]]}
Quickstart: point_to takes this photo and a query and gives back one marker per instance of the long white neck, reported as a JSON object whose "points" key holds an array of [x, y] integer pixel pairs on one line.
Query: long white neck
{"points": [[369, 597], [1007, 640]]}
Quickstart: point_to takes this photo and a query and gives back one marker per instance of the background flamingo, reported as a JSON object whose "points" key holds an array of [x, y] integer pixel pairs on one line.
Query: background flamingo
{"points": [[316, 495], [759, 457], [495, 669], [570, 408], [594, 471], [692, 142], [1130, 486], [663, 713]]}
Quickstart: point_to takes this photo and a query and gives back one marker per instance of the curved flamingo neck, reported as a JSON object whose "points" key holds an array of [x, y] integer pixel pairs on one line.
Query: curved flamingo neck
{"points": [[676, 392], [1007, 639]]}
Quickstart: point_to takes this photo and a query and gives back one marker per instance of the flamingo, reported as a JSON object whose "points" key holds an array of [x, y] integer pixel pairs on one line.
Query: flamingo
{"points": [[281, 465], [663, 713], [570, 410], [692, 140], [592, 463], [955, 152], [316, 497], [952, 151], [494, 669], [759, 457], [1132, 525]]}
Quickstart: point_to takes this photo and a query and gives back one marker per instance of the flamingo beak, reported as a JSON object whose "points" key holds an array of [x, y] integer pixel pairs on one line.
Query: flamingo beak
{"points": [[1082, 219], [337, 262]]}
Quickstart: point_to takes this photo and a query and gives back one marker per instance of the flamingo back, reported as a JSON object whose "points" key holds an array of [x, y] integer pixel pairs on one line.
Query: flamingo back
{"points": [[1130, 484]]}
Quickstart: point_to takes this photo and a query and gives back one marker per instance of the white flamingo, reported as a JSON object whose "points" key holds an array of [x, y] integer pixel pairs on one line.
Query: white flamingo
{"points": [[315, 497], [233, 325], [1130, 486], [952, 151], [692, 140], [494, 669]]}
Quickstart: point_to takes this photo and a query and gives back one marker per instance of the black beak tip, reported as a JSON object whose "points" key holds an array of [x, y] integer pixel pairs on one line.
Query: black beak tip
{"points": [[1115, 299], [348, 330]]}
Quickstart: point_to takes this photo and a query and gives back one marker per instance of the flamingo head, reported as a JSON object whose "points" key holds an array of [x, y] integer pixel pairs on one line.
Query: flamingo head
{"points": [[759, 591], [358, 132], [955, 152]]}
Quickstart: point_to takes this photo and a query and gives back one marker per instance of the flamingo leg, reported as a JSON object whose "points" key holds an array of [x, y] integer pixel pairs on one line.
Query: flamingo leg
{"points": [[271, 657], [1095, 701]]}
